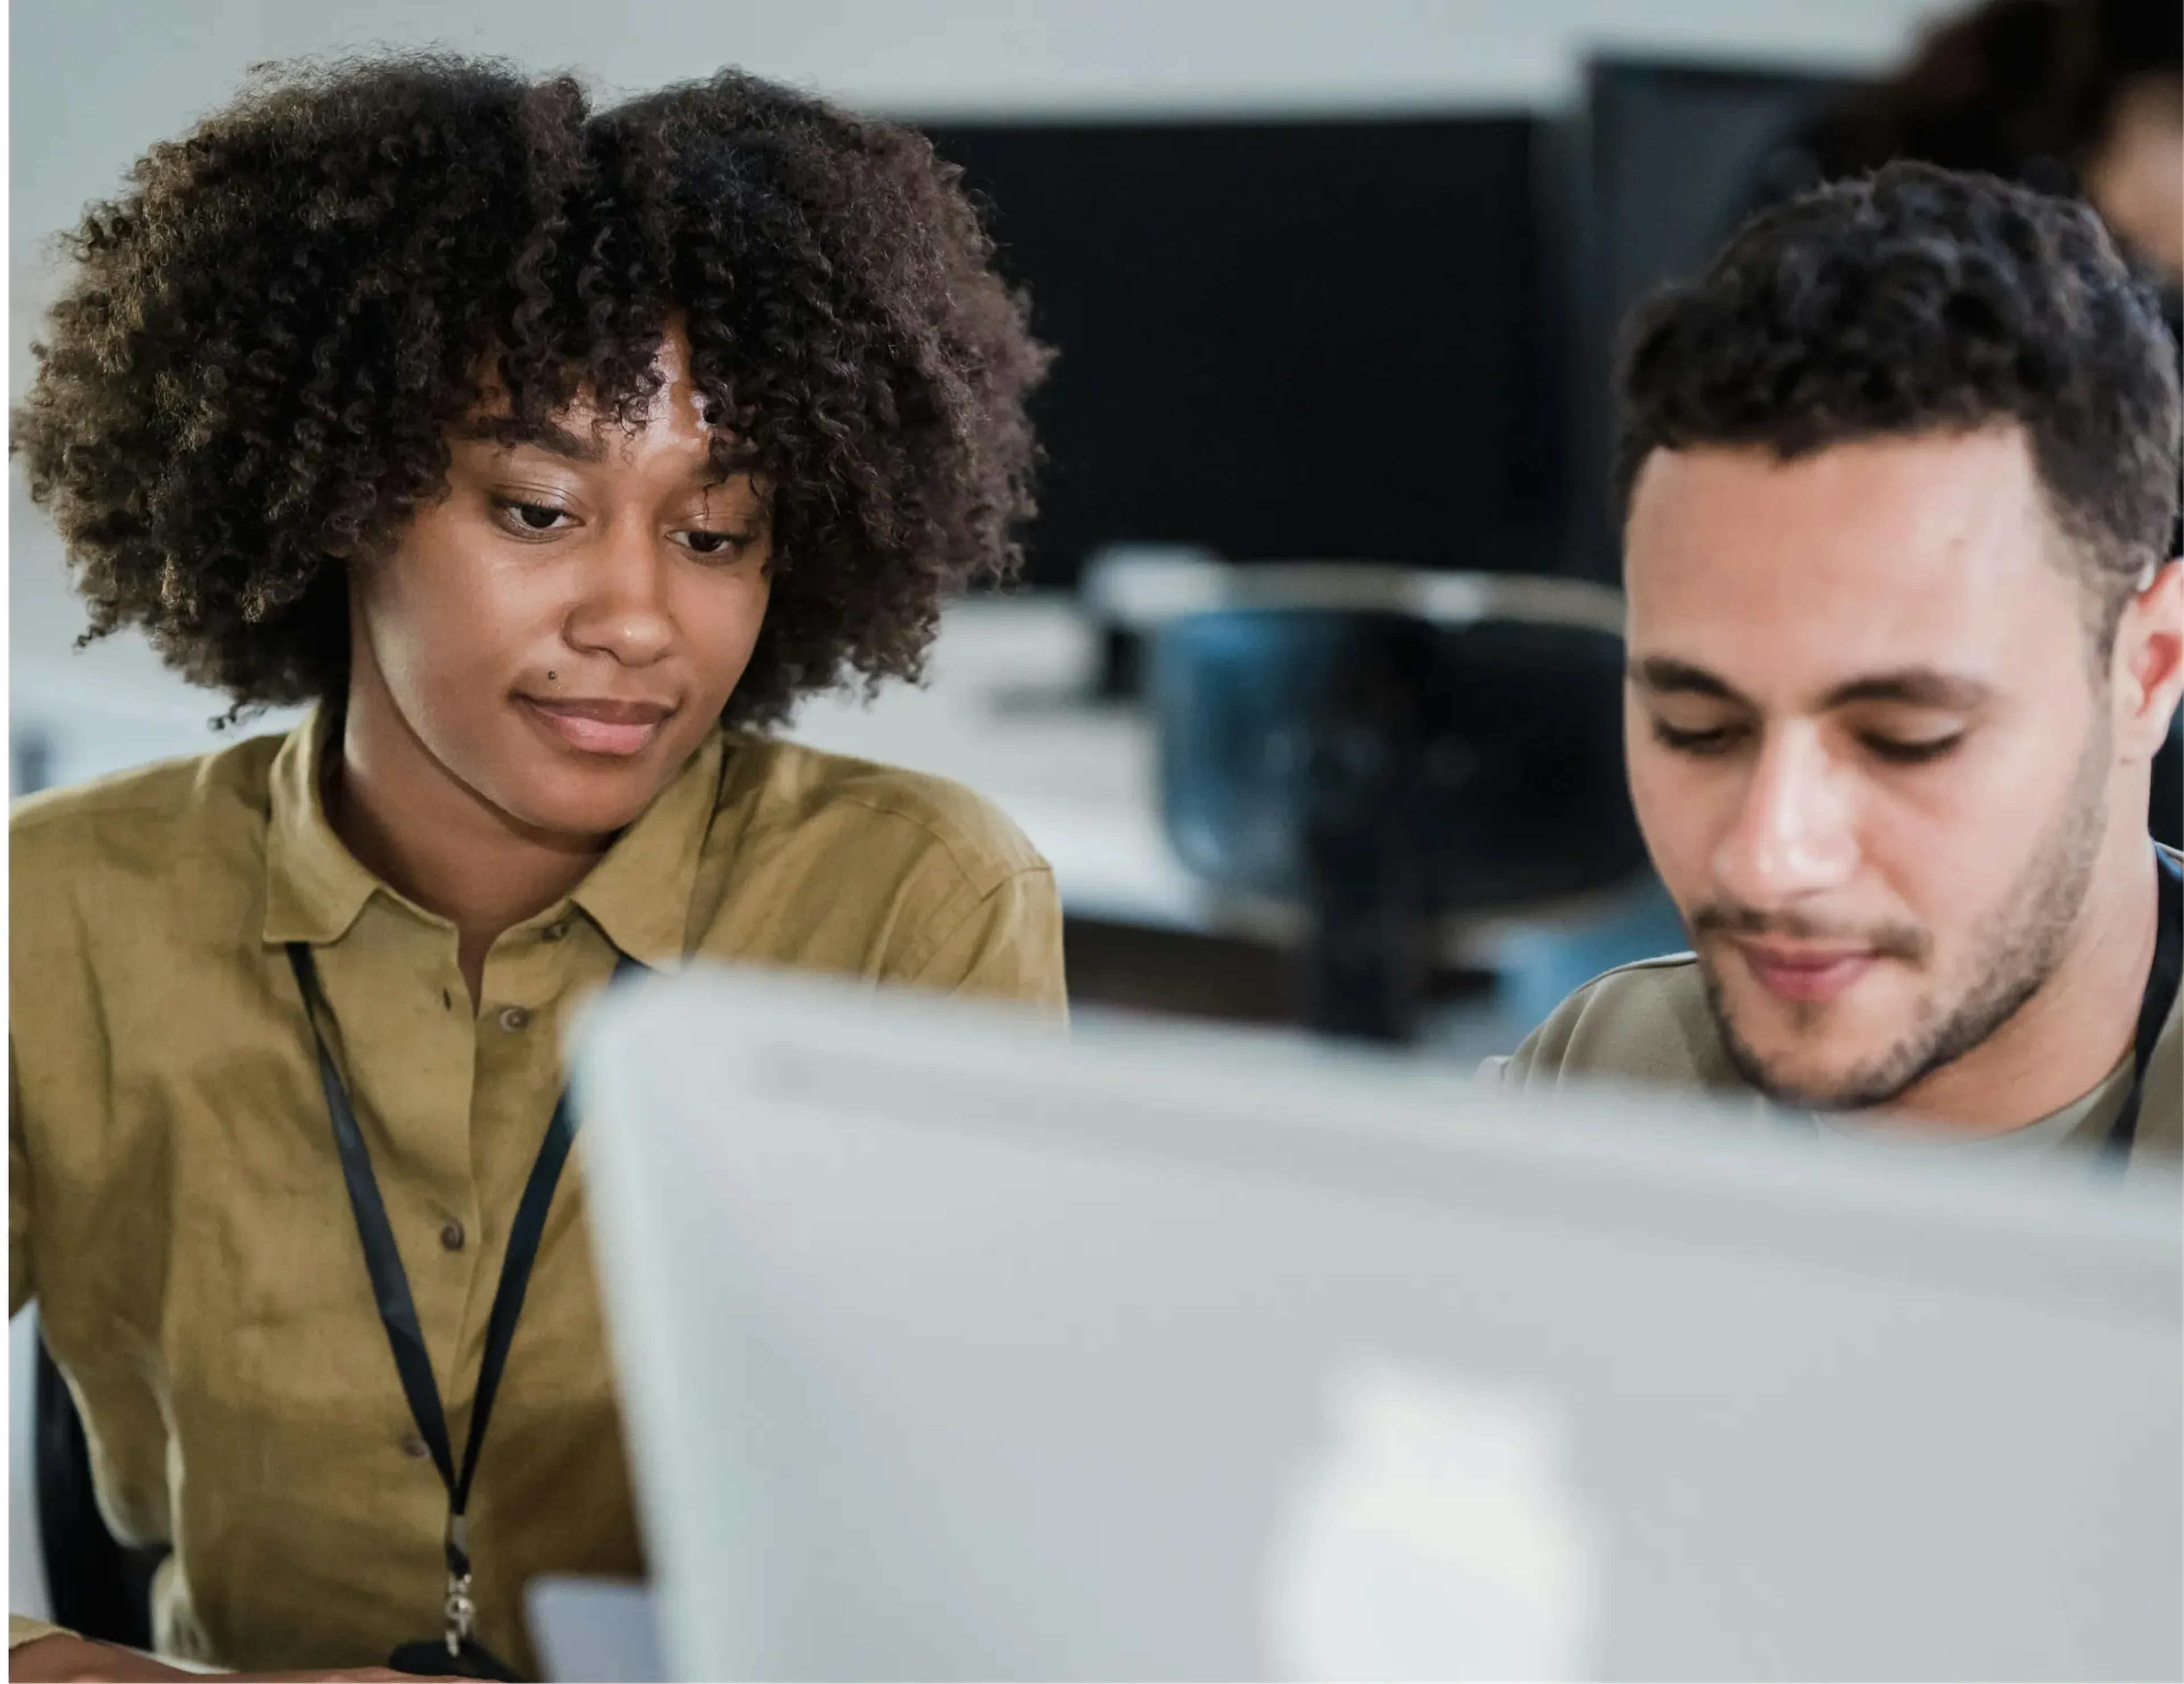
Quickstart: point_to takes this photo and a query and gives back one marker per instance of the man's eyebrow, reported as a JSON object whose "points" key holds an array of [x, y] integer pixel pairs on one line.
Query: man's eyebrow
{"points": [[1665, 675], [1913, 687], [1909, 686]]}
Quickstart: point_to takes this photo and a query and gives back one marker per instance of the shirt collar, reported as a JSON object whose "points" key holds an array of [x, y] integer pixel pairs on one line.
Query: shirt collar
{"points": [[314, 887], [639, 894]]}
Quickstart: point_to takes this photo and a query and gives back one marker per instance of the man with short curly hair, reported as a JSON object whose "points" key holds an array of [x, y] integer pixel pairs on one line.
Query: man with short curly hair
{"points": [[1899, 475], [549, 451]]}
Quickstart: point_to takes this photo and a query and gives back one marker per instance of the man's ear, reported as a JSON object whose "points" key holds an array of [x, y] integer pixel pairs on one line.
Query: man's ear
{"points": [[2149, 662]]}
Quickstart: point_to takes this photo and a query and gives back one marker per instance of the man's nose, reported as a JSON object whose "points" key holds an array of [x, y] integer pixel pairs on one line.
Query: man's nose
{"points": [[1795, 832]]}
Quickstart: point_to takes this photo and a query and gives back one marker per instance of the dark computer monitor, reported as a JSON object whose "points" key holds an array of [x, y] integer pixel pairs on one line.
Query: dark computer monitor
{"points": [[1281, 340], [1659, 165]]}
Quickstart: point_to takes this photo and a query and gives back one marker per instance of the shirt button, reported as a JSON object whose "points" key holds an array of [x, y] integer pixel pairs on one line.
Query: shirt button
{"points": [[415, 1448], [513, 1017], [451, 1236]]}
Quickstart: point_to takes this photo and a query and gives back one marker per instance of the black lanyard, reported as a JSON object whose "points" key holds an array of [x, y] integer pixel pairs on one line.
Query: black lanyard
{"points": [[398, 1312], [2160, 999]]}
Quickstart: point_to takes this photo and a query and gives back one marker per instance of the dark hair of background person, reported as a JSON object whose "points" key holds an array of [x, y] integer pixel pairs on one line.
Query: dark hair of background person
{"points": [[1918, 298], [2033, 91], [2025, 89], [268, 337]]}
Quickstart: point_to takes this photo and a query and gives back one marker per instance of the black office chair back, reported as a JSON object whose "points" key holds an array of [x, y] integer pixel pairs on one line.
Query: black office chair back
{"points": [[98, 1586], [2166, 819]]}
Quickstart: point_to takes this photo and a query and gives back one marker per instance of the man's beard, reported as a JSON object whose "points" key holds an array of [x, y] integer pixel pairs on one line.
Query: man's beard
{"points": [[2012, 951]]}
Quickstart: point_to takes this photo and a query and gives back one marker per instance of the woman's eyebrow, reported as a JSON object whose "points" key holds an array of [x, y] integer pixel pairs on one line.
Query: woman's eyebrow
{"points": [[559, 441], [505, 434]]}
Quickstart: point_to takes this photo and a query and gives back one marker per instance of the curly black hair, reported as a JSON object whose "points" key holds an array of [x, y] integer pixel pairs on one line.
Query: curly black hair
{"points": [[268, 338], [1919, 300]]}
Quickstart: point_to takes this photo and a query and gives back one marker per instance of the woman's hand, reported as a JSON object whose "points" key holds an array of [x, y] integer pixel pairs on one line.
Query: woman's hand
{"points": [[77, 1660]]}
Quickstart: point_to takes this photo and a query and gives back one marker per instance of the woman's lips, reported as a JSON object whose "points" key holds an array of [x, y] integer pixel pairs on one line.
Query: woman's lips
{"points": [[1805, 975], [599, 726]]}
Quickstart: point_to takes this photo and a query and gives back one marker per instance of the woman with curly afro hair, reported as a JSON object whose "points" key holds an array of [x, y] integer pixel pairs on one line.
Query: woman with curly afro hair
{"points": [[552, 452]]}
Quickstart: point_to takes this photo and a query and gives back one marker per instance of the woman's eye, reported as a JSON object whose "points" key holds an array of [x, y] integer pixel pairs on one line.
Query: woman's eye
{"points": [[529, 517], [1717, 740], [700, 542]]}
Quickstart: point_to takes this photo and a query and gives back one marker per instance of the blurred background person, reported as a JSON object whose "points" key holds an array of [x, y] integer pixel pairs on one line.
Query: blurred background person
{"points": [[2071, 96]]}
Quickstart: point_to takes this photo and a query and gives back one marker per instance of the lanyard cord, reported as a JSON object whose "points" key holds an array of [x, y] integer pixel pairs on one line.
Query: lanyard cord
{"points": [[390, 1282], [2160, 999]]}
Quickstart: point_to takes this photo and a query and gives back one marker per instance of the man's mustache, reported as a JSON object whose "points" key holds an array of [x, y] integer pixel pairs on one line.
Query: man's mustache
{"points": [[1887, 941]]}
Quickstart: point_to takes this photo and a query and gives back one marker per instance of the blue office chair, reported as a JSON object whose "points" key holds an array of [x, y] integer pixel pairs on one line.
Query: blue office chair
{"points": [[1381, 750]]}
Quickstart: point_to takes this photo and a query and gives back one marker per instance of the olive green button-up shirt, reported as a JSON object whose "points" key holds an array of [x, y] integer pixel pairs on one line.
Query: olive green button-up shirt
{"points": [[177, 1208]]}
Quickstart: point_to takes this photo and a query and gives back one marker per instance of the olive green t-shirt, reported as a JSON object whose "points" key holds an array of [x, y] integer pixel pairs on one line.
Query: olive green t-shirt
{"points": [[177, 1208], [1649, 1025]]}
